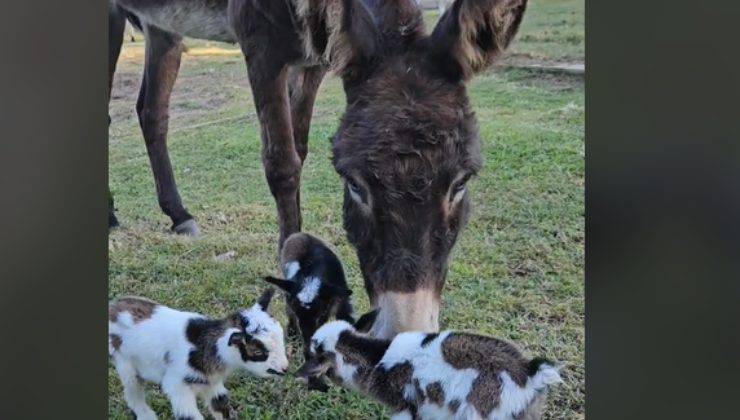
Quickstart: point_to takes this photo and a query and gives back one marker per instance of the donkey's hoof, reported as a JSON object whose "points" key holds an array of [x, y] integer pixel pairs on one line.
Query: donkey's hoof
{"points": [[187, 228], [112, 221]]}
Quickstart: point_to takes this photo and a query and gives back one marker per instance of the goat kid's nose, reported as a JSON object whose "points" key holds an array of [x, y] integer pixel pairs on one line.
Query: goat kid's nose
{"points": [[275, 372]]}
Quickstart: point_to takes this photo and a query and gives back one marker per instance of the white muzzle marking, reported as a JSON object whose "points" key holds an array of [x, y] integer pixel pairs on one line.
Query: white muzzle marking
{"points": [[401, 312]]}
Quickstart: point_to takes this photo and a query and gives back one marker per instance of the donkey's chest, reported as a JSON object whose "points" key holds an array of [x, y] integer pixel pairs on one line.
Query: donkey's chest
{"points": [[204, 19]]}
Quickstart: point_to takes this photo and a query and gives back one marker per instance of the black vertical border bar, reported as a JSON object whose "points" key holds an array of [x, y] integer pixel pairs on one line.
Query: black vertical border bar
{"points": [[662, 209], [53, 205]]}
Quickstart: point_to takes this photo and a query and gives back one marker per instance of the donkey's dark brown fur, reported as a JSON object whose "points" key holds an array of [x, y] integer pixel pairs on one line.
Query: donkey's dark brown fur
{"points": [[407, 145], [284, 86], [405, 148]]}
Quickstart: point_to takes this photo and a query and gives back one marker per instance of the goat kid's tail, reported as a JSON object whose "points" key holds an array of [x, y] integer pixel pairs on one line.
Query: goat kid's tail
{"points": [[543, 372]]}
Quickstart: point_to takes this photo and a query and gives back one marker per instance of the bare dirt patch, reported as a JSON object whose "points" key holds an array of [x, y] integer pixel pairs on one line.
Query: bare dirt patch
{"points": [[525, 60], [125, 86]]}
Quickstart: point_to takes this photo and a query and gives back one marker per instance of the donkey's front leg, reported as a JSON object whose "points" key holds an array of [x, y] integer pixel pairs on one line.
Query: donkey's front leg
{"points": [[162, 62], [116, 25], [279, 157]]}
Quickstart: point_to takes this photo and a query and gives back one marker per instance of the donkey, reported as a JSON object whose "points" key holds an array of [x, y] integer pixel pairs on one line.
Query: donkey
{"points": [[406, 145], [284, 85]]}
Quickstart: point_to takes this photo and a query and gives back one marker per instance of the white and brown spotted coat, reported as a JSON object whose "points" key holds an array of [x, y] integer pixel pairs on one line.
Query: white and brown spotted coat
{"points": [[435, 376]]}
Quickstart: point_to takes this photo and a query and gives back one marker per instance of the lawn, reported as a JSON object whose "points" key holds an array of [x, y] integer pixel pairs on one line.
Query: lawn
{"points": [[516, 271]]}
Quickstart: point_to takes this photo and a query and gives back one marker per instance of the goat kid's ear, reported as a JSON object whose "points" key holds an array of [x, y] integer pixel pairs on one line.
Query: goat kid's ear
{"points": [[314, 367], [366, 321], [264, 300], [338, 291], [472, 34], [286, 285], [236, 338]]}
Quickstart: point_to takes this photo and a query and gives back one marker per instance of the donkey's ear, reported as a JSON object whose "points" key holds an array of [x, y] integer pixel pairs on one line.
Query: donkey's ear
{"points": [[264, 300], [473, 33], [343, 32], [286, 285]]}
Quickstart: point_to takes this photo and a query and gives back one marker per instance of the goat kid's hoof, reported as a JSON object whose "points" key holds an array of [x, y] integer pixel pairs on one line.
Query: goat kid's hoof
{"points": [[315, 384], [187, 228]]}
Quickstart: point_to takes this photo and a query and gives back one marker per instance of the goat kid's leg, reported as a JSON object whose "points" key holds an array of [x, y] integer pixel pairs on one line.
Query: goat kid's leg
{"points": [[162, 63], [182, 398], [293, 331], [315, 383], [133, 390], [217, 400], [536, 407], [469, 412], [402, 415], [116, 25], [279, 156]]}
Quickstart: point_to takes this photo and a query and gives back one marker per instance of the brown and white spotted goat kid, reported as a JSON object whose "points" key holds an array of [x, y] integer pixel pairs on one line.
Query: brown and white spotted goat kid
{"points": [[190, 355], [434, 375], [315, 289]]}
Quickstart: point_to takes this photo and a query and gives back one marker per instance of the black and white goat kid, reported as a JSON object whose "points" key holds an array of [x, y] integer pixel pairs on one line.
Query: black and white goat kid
{"points": [[315, 289], [445, 375], [190, 355]]}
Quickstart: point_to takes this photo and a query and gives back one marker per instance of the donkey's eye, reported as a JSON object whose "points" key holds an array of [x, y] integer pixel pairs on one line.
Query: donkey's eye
{"points": [[458, 188], [354, 191], [353, 187], [457, 192]]}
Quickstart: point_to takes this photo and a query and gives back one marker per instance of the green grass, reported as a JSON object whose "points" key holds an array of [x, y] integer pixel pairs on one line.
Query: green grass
{"points": [[552, 30], [516, 271]]}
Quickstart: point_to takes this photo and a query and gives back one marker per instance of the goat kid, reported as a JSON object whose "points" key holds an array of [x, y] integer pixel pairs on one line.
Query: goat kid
{"points": [[315, 290], [445, 375], [190, 355]]}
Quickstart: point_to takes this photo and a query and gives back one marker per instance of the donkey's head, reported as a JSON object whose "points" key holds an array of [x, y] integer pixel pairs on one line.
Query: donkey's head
{"points": [[408, 142]]}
